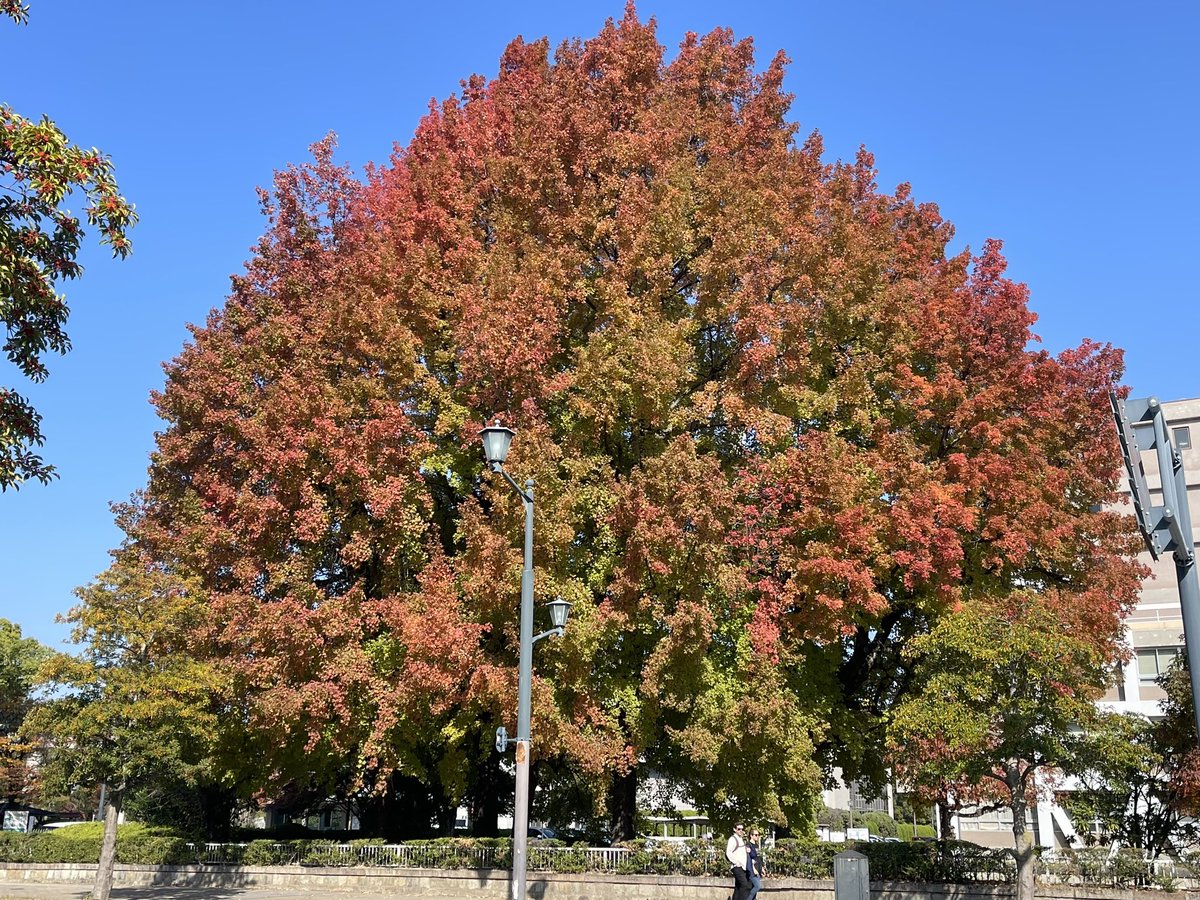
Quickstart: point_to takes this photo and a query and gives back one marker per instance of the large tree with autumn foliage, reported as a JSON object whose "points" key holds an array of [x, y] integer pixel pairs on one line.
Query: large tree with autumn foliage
{"points": [[776, 430]]}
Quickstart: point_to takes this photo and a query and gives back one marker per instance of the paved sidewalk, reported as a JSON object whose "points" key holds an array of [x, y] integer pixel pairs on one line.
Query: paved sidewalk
{"points": [[20, 891]]}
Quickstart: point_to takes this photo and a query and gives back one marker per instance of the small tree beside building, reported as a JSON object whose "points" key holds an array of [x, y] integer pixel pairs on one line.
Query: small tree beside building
{"points": [[1006, 690]]}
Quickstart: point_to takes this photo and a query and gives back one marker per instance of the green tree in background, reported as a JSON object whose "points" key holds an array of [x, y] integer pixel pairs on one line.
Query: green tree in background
{"points": [[39, 241], [1140, 779], [1177, 731], [19, 661], [1127, 784], [1006, 688], [134, 706]]}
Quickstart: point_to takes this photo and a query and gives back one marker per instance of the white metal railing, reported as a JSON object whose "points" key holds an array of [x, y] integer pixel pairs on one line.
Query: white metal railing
{"points": [[215, 854]]}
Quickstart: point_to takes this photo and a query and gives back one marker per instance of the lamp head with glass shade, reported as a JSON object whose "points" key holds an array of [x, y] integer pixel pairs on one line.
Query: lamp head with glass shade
{"points": [[560, 609], [496, 441]]}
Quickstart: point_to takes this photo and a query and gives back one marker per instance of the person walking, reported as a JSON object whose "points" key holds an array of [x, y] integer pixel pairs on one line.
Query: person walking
{"points": [[754, 863], [735, 852]]}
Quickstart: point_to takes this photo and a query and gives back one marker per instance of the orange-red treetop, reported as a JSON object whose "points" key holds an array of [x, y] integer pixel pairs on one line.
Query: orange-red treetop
{"points": [[775, 431]]}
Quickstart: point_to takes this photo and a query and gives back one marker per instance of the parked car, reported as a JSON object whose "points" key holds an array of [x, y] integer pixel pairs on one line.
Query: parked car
{"points": [[578, 835], [542, 833]]}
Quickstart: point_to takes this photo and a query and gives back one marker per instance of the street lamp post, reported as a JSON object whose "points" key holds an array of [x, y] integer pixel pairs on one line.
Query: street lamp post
{"points": [[496, 441]]}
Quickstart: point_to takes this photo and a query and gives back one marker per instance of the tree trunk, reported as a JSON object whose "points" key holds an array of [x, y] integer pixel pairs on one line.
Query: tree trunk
{"points": [[485, 796], [622, 806], [375, 815], [1023, 850], [447, 814], [216, 808], [945, 823], [108, 847]]}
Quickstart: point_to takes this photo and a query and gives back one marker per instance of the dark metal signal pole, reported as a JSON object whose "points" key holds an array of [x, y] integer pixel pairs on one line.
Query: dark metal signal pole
{"points": [[1167, 527]]}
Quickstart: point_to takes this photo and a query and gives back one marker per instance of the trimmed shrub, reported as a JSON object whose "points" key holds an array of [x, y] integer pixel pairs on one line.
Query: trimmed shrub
{"points": [[879, 823], [901, 862], [137, 844], [904, 831], [15, 846], [270, 853], [1097, 866], [802, 858]]}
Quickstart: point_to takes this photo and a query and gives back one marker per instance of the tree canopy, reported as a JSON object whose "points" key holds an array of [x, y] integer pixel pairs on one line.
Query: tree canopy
{"points": [[777, 432], [19, 660], [1006, 692], [39, 242], [135, 705]]}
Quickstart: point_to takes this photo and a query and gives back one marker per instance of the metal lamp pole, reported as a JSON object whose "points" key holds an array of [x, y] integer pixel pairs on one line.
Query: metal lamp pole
{"points": [[496, 441]]}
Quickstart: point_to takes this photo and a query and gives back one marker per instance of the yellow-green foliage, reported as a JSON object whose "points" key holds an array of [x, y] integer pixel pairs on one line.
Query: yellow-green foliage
{"points": [[137, 844]]}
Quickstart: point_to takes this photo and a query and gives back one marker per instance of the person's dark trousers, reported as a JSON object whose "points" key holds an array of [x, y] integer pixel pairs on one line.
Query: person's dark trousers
{"points": [[741, 883]]}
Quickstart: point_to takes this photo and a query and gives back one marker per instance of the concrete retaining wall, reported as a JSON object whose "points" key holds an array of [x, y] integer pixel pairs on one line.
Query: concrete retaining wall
{"points": [[492, 884]]}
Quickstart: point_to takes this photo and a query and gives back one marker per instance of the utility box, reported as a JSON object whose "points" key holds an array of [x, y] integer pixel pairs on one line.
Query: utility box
{"points": [[851, 876]]}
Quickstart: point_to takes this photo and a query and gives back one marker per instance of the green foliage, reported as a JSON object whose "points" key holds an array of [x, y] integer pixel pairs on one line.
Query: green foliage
{"points": [[188, 802], [913, 809], [19, 660], [985, 704], [1005, 689], [269, 853], [906, 832], [802, 858], [134, 705], [836, 819], [951, 862], [39, 241], [1176, 734], [1166, 880], [904, 862], [1099, 866], [137, 844], [1140, 778], [944, 861], [879, 823], [541, 859], [1131, 772]]}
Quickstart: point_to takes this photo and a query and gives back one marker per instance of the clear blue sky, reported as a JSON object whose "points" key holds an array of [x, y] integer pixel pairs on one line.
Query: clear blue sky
{"points": [[1068, 129]]}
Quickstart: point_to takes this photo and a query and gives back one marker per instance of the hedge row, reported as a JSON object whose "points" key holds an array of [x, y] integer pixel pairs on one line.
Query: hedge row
{"points": [[136, 845], [937, 862]]}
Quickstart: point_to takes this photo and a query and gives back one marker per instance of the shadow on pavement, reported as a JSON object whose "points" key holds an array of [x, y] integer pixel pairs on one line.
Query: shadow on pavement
{"points": [[163, 892], [193, 893]]}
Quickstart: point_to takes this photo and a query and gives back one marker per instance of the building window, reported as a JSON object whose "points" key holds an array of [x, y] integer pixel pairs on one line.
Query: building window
{"points": [[860, 801], [994, 820], [1183, 437], [1153, 661]]}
